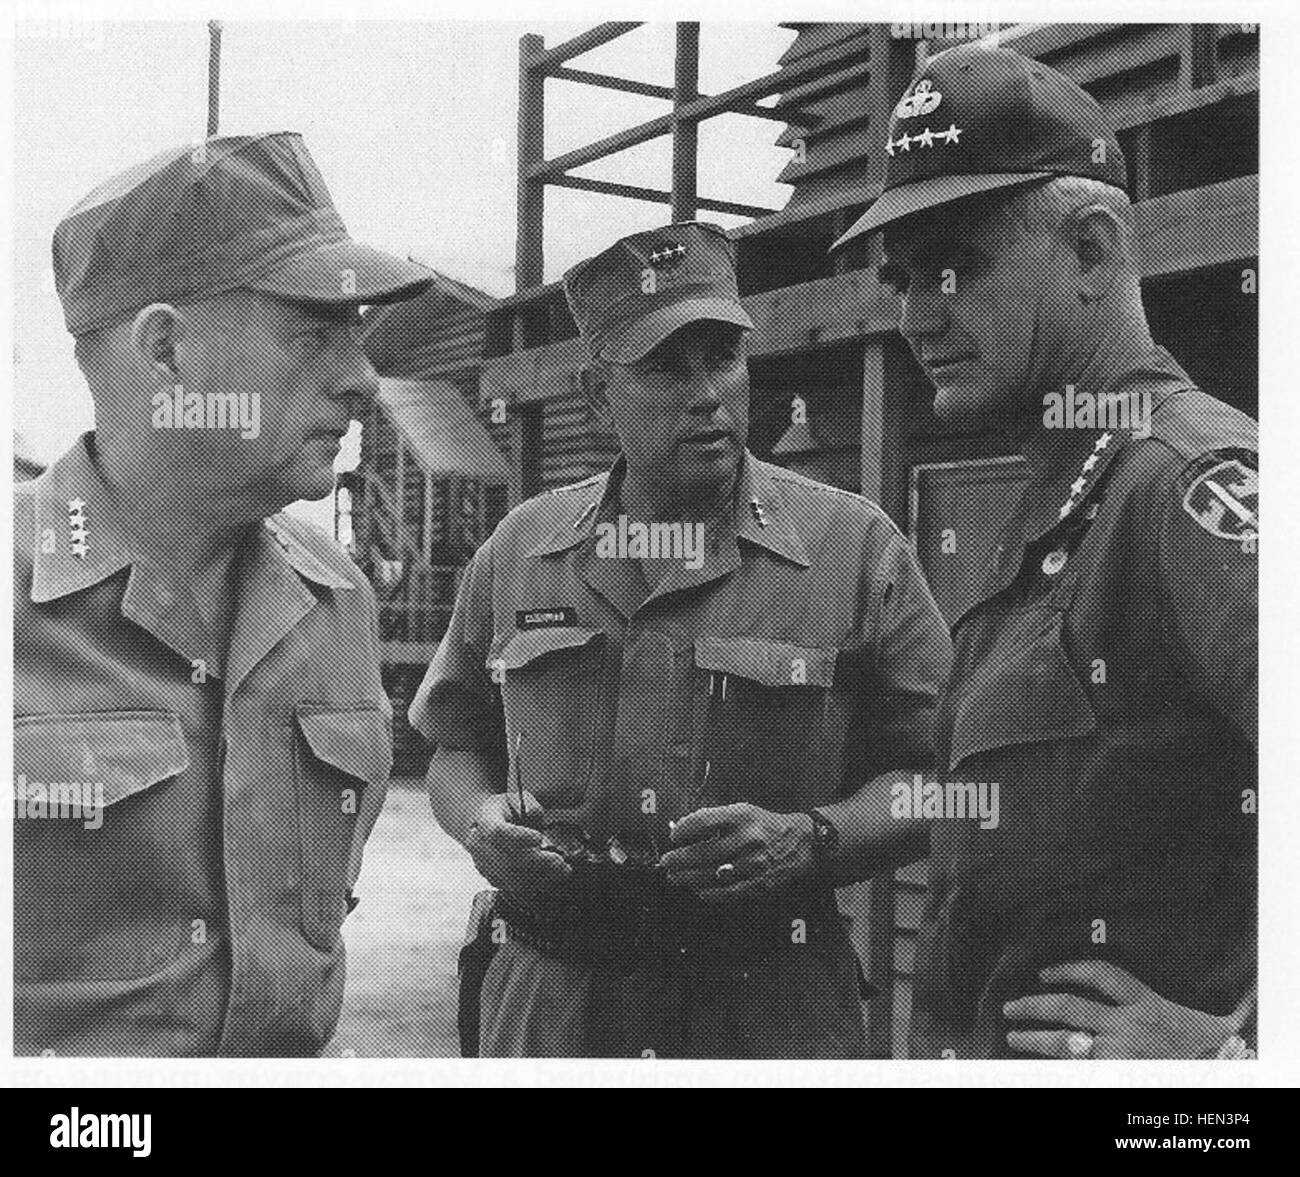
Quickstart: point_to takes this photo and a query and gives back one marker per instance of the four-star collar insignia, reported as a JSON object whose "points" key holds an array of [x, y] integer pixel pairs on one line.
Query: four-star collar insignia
{"points": [[1080, 484]]}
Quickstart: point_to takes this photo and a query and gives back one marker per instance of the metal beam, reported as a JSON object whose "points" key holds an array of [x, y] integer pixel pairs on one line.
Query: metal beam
{"points": [[740, 100], [609, 82], [530, 194], [214, 76], [610, 145], [602, 34], [686, 134], [745, 95], [656, 195]]}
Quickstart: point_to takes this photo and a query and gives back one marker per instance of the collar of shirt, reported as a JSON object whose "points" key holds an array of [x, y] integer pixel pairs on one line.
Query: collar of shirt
{"points": [[1066, 467], [1067, 464], [78, 544], [760, 516]]}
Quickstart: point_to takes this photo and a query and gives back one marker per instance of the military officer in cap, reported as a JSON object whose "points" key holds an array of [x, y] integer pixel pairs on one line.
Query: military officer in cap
{"points": [[205, 668], [1106, 675], [666, 756]]}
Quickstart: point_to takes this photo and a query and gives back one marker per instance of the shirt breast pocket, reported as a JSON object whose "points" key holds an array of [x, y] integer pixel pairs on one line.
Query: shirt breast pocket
{"points": [[97, 896], [342, 759], [551, 685], [761, 707], [1024, 692]]}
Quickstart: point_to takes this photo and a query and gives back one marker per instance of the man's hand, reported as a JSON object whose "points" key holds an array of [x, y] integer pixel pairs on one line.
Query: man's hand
{"points": [[735, 850], [509, 854], [1140, 1023]]}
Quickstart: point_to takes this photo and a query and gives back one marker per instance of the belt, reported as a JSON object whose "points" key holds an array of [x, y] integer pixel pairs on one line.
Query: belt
{"points": [[667, 934]]}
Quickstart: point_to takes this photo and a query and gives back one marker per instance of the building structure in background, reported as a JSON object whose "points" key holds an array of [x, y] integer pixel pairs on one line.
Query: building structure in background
{"points": [[835, 392], [26, 462], [431, 483]]}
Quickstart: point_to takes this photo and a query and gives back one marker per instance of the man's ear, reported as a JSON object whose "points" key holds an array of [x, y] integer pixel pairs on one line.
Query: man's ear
{"points": [[1097, 238], [595, 386], [156, 333]]}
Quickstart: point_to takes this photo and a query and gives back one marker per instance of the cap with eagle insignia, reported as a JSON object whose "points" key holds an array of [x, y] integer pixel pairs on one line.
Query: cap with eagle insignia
{"points": [[976, 119], [630, 298]]}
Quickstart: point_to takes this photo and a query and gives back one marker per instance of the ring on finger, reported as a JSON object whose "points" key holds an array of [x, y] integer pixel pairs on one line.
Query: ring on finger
{"points": [[1079, 1044], [725, 872]]}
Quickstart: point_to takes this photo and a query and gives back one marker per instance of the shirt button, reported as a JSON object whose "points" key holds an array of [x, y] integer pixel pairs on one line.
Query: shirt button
{"points": [[1053, 562]]}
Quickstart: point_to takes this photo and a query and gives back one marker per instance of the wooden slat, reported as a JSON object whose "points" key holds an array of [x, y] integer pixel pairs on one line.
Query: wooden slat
{"points": [[795, 99], [908, 906], [606, 82], [902, 1018], [407, 653], [825, 153], [828, 310], [820, 37], [1048, 41], [1121, 55], [832, 114], [1184, 102], [1199, 227], [904, 956], [593, 38], [916, 873]]}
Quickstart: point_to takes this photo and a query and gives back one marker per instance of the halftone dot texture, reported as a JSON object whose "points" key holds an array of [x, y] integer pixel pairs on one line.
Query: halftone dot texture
{"points": [[630, 298], [977, 119], [1187, 897], [248, 212]]}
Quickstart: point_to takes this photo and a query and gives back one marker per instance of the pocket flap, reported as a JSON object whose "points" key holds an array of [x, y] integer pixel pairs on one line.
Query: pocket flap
{"points": [[122, 752], [355, 741], [772, 664], [519, 649], [1030, 697]]}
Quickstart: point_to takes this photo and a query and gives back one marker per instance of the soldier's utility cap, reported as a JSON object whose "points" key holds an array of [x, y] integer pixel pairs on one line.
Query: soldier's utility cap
{"points": [[235, 212], [630, 298], [976, 119]]}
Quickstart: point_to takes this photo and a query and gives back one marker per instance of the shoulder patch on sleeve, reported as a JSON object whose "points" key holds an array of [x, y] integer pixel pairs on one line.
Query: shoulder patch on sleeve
{"points": [[1224, 500]]}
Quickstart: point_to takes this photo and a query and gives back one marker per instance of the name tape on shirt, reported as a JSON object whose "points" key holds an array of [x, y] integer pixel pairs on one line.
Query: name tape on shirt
{"points": [[545, 618]]}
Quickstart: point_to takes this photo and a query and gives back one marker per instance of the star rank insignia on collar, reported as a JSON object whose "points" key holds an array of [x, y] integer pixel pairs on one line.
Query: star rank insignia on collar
{"points": [[77, 527], [1080, 484], [277, 533], [667, 255], [758, 511]]}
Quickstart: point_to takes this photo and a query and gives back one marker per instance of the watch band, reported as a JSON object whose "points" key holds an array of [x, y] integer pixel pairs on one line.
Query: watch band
{"points": [[826, 835]]}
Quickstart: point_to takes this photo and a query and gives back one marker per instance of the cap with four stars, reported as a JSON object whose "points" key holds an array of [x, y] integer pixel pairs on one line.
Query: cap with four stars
{"points": [[234, 212], [976, 119], [630, 298]]}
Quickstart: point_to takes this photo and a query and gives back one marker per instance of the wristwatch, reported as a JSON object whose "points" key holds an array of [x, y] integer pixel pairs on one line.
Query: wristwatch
{"points": [[826, 837]]}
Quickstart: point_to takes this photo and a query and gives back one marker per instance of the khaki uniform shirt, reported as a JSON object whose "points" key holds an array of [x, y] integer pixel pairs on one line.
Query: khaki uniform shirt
{"points": [[198, 912], [801, 659]]}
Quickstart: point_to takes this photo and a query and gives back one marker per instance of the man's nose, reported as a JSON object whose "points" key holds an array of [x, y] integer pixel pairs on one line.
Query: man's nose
{"points": [[355, 379], [926, 311], [703, 393]]}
